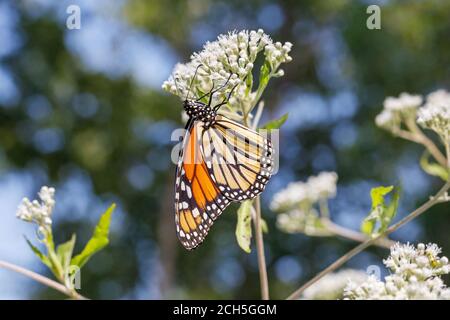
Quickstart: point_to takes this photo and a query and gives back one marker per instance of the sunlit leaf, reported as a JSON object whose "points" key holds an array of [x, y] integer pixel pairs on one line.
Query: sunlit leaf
{"points": [[64, 252], [264, 75], [45, 260], [98, 240], [249, 83], [275, 124], [377, 194], [264, 226], [390, 211], [243, 227], [381, 214], [433, 169]]}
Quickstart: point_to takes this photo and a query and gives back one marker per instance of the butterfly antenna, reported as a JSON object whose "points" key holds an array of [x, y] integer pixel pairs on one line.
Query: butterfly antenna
{"points": [[193, 78], [226, 99], [212, 91]]}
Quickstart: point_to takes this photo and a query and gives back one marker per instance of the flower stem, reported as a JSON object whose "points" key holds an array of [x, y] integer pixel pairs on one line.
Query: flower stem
{"points": [[447, 152], [354, 235], [264, 282], [342, 260], [343, 232], [258, 115], [421, 138], [43, 280]]}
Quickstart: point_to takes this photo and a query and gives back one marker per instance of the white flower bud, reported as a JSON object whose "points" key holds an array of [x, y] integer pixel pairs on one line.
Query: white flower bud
{"points": [[35, 211]]}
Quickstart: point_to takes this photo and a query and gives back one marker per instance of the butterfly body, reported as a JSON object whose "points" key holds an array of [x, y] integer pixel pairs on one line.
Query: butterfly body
{"points": [[199, 111], [221, 161]]}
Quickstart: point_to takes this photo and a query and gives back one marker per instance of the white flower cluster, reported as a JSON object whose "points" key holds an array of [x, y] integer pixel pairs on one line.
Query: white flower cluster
{"points": [[331, 286], [38, 212], [302, 221], [397, 109], [435, 114], [415, 276], [322, 186], [295, 204], [227, 62]]}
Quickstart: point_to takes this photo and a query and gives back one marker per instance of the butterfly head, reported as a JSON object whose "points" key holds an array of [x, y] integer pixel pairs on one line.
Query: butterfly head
{"points": [[199, 111]]}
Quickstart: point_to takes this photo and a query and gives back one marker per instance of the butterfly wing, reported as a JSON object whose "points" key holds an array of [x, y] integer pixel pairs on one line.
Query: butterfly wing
{"points": [[198, 200], [239, 160]]}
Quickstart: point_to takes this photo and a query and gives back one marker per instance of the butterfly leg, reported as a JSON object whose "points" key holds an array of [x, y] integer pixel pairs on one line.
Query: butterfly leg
{"points": [[225, 100], [192, 80], [212, 91]]}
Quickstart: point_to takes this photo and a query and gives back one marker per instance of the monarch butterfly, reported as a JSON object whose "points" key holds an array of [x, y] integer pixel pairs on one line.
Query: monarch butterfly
{"points": [[221, 161]]}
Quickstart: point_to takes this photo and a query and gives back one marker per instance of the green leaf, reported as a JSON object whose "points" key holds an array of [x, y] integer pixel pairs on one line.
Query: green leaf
{"points": [[243, 227], [264, 226], [433, 169], [276, 124], [249, 83], [368, 225], [98, 240], [64, 252], [381, 215], [45, 260], [390, 212], [264, 75], [377, 194]]}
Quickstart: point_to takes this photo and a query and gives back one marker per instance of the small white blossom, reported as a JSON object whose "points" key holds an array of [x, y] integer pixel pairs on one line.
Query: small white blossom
{"points": [[397, 109], [322, 186], [226, 63], [304, 221], [296, 203], [294, 194], [415, 275], [435, 114], [39, 212], [385, 119], [405, 101], [331, 286]]}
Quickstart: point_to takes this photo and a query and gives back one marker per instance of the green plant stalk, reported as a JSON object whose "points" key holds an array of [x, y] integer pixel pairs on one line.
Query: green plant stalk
{"points": [[345, 233], [262, 267], [342, 260], [421, 138], [447, 152], [57, 267], [43, 280], [264, 282], [263, 279]]}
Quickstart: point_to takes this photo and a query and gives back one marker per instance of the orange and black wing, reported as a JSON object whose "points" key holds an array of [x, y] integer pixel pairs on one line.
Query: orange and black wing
{"points": [[239, 160], [198, 200]]}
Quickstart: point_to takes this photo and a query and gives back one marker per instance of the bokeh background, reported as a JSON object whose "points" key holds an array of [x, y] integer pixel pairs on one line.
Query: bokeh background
{"points": [[83, 111]]}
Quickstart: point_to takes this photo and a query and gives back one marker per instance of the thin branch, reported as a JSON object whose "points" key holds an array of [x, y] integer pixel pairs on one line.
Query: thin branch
{"points": [[354, 235], [258, 115], [41, 279], [447, 152], [264, 281], [426, 142], [342, 260], [345, 232], [407, 135]]}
